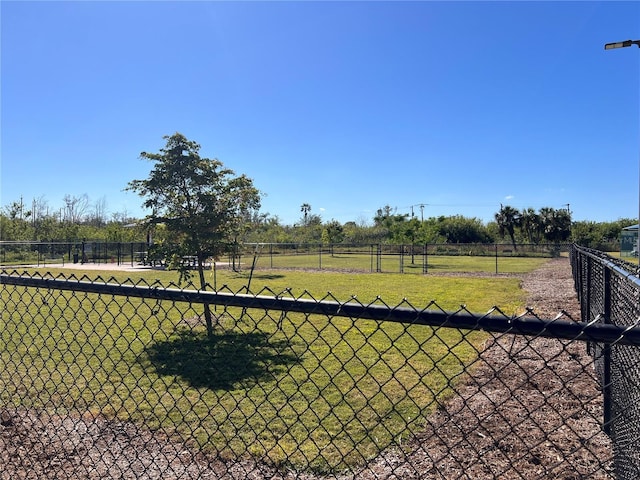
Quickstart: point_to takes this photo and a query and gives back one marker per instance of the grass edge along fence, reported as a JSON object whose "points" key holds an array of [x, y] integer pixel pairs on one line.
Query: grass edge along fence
{"points": [[609, 293], [61, 327]]}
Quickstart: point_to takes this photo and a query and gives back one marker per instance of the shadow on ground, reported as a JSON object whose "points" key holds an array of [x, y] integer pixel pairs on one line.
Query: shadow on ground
{"points": [[260, 276], [223, 361]]}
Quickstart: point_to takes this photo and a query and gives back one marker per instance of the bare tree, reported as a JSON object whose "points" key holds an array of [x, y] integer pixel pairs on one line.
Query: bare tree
{"points": [[75, 208], [99, 212], [39, 209], [121, 217]]}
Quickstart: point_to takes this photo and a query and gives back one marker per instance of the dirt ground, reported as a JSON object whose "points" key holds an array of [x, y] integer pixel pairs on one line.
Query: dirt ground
{"points": [[530, 409]]}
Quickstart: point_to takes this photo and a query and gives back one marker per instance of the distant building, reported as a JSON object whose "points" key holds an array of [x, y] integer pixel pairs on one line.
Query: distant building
{"points": [[629, 241]]}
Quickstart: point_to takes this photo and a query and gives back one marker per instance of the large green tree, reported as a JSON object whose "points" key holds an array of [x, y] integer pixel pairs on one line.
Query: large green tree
{"points": [[200, 203], [334, 232], [557, 224], [389, 225], [460, 229]]}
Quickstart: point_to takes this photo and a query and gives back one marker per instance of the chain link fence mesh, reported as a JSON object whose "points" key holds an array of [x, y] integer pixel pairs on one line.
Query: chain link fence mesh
{"points": [[609, 292], [107, 380]]}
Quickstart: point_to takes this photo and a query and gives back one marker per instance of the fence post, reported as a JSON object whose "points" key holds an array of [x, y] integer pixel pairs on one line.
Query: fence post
{"points": [[371, 258], [425, 260], [320, 256], [585, 306], [495, 245], [606, 356]]}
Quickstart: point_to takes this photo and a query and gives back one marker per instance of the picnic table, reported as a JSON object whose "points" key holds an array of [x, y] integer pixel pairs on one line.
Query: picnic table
{"points": [[190, 261], [145, 259]]}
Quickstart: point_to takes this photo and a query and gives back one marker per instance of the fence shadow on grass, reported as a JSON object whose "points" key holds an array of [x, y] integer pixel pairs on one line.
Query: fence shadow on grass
{"points": [[267, 276], [223, 361]]}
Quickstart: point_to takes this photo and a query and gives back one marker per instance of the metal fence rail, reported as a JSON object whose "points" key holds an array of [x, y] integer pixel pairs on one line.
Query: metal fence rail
{"points": [[120, 380], [609, 293]]}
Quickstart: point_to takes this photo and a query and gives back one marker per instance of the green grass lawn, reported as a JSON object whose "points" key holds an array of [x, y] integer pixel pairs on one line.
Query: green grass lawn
{"points": [[299, 391], [392, 263]]}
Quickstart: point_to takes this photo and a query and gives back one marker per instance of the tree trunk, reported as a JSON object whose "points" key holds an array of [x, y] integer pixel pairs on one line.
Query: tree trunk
{"points": [[203, 286]]}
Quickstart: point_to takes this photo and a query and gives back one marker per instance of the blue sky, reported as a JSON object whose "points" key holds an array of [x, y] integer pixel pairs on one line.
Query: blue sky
{"points": [[346, 106]]}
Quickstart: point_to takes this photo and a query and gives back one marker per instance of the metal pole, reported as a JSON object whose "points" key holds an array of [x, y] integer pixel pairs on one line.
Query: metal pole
{"points": [[612, 46]]}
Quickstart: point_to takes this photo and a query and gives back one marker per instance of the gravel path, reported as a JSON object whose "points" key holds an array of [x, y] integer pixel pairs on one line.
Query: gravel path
{"points": [[530, 409]]}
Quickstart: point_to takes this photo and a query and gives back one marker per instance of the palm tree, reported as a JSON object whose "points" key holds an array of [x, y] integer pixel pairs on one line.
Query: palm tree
{"points": [[305, 208], [508, 218], [531, 225], [556, 224]]}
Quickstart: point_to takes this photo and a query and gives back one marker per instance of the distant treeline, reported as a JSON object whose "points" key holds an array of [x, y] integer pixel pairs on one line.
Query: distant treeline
{"points": [[79, 220]]}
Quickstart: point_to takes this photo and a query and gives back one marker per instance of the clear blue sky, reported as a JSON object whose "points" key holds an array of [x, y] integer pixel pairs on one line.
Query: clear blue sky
{"points": [[347, 106]]}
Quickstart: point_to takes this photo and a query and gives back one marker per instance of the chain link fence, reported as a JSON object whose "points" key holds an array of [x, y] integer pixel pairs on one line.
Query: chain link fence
{"points": [[50, 253], [609, 293], [378, 258], [400, 258], [105, 379]]}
